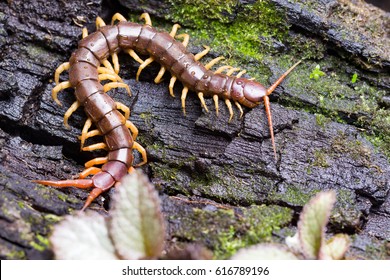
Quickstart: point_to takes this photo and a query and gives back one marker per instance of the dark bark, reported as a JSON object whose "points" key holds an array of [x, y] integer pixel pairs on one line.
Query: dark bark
{"points": [[213, 176]]}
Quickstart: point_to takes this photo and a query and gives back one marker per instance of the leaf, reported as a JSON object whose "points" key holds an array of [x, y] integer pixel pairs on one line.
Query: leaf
{"points": [[82, 237], [293, 243], [312, 223], [264, 252], [136, 223], [336, 247]]}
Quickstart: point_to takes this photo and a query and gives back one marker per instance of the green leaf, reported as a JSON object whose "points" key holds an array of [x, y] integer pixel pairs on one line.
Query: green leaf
{"points": [[265, 252], [335, 247], [316, 73], [82, 237], [312, 223], [136, 223], [354, 78]]}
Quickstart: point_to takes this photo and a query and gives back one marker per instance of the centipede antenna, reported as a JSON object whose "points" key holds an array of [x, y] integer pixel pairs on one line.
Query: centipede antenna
{"points": [[269, 117], [281, 78]]}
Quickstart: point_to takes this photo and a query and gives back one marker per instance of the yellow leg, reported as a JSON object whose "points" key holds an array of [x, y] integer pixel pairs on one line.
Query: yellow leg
{"points": [[202, 53], [84, 32], [96, 161], [173, 32], [92, 133], [63, 67], [142, 151], [134, 55], [186, 39], [231, 71], [115, 61], [89, 171], [110, 86], [108, 65], [118, 17], [146, 17], [202, 102], [241, 73], [69, 112], [239, 108], [106, 76], [171, 85], [104, 70], [222, 68], [99, 22], [124, 109], [84, 132], [158, 80], [97, 146], [133, 129], [230, 108], [215, 98], [213, 62], [58, 88], [143, 65], [183, 99]]}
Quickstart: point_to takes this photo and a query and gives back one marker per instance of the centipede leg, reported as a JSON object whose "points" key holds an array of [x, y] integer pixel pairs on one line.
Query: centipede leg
{"points": [[112, 85], [213, 62], [107, 76], [160, 74], [146, 17], [143, 65], [202, 101], [186, 39], [108, 65], [123, 108], [215, 98], [93, 147], [69, 112], [240, 73], [96, 161], [142, 151], [171, 85], [183, 99], [135, 56], [78, 183], [100, 22], [115, 61], [133, 129], [239, 108], [270, 125], [117, 17], [89, 171], [222, 68], [104, 70], [84, 131], [198, 56], [63, 67], [230, 108], [58, 88], [84, 33]]}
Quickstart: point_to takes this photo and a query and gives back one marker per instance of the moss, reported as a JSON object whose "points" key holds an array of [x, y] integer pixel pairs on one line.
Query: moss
{"points": [[252, 29], [41, 243], [15, 255], [320, 159], [322, 120], [293, 195]]}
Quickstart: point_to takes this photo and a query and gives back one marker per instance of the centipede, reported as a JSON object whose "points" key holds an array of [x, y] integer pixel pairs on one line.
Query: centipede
{"points": [[89, 66]]}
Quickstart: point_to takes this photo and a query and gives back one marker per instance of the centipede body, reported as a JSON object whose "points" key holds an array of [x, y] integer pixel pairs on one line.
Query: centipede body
{"points": [[86, 74]]}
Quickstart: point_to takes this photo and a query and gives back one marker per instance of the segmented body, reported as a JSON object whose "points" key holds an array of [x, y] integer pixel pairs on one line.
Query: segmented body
{"points": [[84, 76]]}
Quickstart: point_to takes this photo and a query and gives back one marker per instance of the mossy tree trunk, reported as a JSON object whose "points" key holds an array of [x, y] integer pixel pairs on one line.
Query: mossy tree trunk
{"points": [[219, 183]]}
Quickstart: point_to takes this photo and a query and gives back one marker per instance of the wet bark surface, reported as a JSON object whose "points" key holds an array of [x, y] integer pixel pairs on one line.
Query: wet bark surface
{"points": [[214, 177]]}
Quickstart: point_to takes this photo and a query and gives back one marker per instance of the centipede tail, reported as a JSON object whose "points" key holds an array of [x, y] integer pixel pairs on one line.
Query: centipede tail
{"points": [[88, 66]]}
